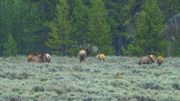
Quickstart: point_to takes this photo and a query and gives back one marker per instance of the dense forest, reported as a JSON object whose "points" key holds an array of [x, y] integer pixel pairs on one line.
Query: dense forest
{"points": [[115, 27]]}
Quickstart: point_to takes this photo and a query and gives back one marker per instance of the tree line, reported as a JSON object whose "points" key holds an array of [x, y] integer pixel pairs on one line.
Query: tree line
{"points": [[114, 27]]}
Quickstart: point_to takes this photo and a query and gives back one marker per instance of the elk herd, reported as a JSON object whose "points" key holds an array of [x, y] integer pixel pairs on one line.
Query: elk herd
{"points": [[39, 58], [44, 57], [149, 59]]}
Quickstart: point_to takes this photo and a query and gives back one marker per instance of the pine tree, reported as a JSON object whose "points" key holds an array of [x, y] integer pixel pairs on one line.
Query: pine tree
{"points": [[117, 18], [10, 47], [98, 28], [149, 24], [60, 28], [79, 21]]}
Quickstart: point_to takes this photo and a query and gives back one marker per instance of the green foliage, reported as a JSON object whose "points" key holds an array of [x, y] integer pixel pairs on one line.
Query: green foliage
{"points": [[148, 30], [101, 23], [60, 28], [10, 47], [169, 7], [176, 47], [98, 28], [117, 19], [133, 51], [23, 19], [79, 21], [73, 51]]}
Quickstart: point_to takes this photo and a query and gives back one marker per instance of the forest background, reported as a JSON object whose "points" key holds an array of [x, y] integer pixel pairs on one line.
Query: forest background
{"points": [[114, 27]]}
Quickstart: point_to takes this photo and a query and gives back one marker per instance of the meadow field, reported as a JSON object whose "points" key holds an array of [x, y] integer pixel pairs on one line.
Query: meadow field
{"points": [[65, 79]]}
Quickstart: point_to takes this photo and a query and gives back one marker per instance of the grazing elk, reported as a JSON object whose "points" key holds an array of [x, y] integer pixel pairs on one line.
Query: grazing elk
{"points": [[82, 55], [147, 59], [48, 57], [101, 57], [35, 57], [160, 60], [39, 58], [29, 57], [42, 57]]}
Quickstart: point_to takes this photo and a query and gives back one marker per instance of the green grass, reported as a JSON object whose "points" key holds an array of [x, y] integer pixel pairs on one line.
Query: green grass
{"points": [[116, 79]]}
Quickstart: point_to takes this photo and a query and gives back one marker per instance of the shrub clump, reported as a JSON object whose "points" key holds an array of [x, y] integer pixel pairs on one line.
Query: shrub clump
{"points": [[142, 98], [152, 85], [17, 75], [14, 98], [38, 88], [176, 86]]}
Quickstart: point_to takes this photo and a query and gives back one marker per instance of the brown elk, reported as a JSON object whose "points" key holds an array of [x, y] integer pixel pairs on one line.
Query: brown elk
{"points": [[33, 57], [160, 60], [82, 55], [39, 58], [147, 59], [101, 57]]}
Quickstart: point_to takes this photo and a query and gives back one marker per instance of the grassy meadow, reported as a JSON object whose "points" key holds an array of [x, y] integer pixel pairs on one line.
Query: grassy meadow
{"points": [[65, 79]]}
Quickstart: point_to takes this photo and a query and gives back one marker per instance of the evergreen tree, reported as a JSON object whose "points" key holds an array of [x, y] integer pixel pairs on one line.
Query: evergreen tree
{"points": [[79, 21], [92, 23], [117, 18], [98, 28], [78, 18], [169, 7], [10, 47], [23, 19], [5, 22], [60, 28], [149, 24]]}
